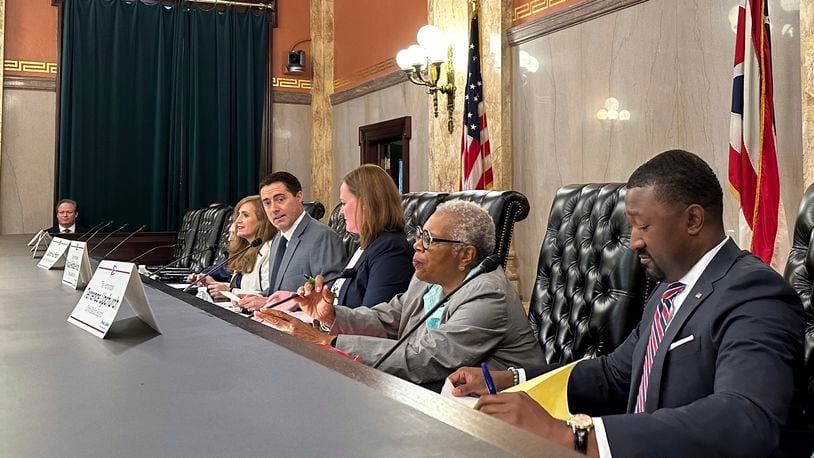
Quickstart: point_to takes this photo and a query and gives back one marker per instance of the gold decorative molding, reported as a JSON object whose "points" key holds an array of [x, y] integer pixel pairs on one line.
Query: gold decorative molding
{"points": [[29, 66], [290, 83], [357, 76], [370, 86], [527, 9], [564, 18]]}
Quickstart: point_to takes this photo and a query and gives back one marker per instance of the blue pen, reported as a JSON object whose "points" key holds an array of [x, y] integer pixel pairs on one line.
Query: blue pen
{"points": [[490, 385]]}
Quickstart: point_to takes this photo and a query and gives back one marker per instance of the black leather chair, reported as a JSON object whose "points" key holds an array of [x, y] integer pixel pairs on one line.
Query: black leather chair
{"points": [[800, 275], [505, 208], [185, 240], [314, 208], [209, 231], [590, 286]]}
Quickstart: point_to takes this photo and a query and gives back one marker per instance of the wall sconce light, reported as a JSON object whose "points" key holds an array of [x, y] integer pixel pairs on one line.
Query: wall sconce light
{"points": [[296, 59], [423, 64], [611, 112]]}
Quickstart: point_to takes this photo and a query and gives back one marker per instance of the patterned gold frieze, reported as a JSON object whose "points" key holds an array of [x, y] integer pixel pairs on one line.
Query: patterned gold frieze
{"points": [[290, 83], [29, 66], [534, 7]]}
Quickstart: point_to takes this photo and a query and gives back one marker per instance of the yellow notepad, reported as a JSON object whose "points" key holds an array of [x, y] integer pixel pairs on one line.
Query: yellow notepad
{"points": [[550, 390]]}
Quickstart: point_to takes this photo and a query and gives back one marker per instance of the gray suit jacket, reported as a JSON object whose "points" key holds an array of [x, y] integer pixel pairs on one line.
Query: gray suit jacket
{"points": [[725, 387], [483, 321], [313, 249]]}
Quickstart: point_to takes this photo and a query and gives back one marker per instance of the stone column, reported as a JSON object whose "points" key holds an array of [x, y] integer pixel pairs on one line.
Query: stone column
{"points": [[322, 63], [2, 74], [807, 88]]}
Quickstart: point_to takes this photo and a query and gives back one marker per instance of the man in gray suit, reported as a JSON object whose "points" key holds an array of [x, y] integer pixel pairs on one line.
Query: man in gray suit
{"points": [[302, 246]]}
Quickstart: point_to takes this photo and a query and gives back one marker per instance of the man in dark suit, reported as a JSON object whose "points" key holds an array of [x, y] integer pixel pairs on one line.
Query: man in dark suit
{"points": [[67, 211], [302, 246], [713, 365]]}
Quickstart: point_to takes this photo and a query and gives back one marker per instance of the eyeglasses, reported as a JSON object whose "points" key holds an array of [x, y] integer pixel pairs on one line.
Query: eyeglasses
{"points": [[427, 239]]}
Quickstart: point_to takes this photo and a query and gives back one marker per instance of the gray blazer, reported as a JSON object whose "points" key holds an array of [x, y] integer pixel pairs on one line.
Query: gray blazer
{"points": [[313, 249], [483, 321]]}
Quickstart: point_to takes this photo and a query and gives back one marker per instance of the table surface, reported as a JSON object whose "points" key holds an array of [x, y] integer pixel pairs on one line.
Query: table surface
{"points": [[212, 384]]}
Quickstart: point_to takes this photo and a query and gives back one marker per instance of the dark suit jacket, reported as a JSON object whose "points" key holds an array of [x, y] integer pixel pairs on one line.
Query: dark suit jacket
{"points": [[727, 391], [384, 270], [314, 249], [56, 230]]}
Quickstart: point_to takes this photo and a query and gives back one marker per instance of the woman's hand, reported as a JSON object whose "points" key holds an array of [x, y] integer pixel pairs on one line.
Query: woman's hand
{"points": [[317, 301], [215, 287], [292, 326]]}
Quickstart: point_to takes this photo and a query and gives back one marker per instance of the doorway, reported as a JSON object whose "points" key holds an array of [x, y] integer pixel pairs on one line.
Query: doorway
{"points": [[387, 144]]}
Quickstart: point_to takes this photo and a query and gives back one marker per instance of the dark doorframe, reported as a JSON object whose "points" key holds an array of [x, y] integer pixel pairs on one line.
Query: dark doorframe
{"points": [[373, 136], [264, 167]]}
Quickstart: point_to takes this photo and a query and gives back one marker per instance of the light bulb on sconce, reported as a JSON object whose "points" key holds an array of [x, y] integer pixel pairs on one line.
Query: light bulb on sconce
{"points": [[423, 63]]}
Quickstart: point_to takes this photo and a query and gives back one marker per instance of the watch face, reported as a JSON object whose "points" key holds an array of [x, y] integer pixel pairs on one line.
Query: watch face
{"points": [[580, 421]]}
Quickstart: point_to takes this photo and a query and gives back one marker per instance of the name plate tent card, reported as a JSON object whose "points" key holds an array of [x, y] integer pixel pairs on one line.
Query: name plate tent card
{"points": [[53, 255], [111, 284], [77, 266], [39, 242]]}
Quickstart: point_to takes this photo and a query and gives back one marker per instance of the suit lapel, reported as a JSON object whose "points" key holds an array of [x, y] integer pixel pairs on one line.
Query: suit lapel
{"points": [[702, 289], [290, 249]]}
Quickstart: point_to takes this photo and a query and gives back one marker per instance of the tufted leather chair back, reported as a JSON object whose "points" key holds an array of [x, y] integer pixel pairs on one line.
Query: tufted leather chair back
{"points": [[589, 291], [209, 231], [223, 238], [505, 208], [314, 208], [185, 240], [800, 274]]}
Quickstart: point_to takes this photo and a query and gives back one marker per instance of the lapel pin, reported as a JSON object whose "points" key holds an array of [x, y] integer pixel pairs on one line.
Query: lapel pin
{"points": [[698, 295]]}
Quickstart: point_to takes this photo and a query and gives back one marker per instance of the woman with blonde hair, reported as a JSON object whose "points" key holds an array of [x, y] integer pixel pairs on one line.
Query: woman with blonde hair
{"points": [[250, 270]]}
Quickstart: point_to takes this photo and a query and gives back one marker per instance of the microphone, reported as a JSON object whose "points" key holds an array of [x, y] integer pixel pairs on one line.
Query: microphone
{"points": [[91, 230], [177, 261], [108, 236], [124, 240], [150, 251], [254, 243], [99, 229], [487, 265], [350, 272]]}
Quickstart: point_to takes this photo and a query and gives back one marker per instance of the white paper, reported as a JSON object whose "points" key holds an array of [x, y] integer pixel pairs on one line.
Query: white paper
{"points": [[230, 296], [111, 284], [54, 253], [36, 236], [446, 391]]}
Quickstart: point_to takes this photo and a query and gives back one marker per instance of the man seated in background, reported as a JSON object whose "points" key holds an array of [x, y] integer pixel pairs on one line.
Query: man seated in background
{"points": [[67, 212], [712, 368], [483, 321], [302, 246]]}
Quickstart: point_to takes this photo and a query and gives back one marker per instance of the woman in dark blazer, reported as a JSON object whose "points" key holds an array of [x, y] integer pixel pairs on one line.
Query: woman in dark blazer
{"points": [[371, 206]]}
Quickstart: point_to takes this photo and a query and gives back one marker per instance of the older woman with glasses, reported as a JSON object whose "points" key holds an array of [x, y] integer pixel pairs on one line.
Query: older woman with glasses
{"points": [[482, 322]]}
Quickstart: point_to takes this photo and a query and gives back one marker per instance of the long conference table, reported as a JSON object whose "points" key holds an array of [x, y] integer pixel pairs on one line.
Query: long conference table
{"points": [[213, 383]]}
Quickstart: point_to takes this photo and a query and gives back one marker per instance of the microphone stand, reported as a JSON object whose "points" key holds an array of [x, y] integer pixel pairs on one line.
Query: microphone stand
{"points": [[178, 261], [90, 230], [487, 265], [124, 240], [108, 236], [253, 244], [97, 230], [150, 251]]}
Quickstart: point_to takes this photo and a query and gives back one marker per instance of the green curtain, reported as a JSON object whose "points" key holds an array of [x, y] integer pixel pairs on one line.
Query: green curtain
{"points": [[161, 108]]}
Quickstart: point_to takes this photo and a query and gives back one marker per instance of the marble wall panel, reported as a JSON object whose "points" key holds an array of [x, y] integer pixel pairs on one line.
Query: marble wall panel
{"points": [[669, 63], [27, 169], [291, 149], [404, 99]]}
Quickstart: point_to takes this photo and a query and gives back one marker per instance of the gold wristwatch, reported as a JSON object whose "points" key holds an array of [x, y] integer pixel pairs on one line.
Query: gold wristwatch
{"points": [[581, 425]]}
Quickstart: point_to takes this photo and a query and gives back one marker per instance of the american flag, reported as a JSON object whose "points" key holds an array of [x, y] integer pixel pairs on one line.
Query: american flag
{"points": [[753, 172], [476, 159]]}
